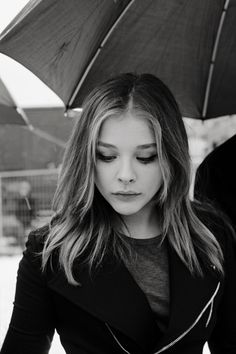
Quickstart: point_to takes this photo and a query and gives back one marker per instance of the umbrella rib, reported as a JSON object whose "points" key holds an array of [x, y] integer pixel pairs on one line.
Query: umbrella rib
{"points": [[49, 137], [212, 64], [88, 68], [24, 116], [39, 132]]}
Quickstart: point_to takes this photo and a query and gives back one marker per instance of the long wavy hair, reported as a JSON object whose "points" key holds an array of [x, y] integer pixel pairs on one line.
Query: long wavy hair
{"points": [[85, 225]]}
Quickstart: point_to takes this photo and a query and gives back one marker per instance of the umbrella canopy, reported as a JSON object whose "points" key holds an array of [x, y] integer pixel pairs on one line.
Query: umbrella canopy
{"points": [[37, 148], [8, 111], [12, 115], [73, 45]]}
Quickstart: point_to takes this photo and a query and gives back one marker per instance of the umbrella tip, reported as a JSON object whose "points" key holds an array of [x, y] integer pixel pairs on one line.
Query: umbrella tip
{"points": [[30, 127], [73, 113]]}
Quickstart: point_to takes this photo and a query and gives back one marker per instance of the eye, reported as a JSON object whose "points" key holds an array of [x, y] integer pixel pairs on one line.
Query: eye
{"points": [[105, 158], [146, 160]]}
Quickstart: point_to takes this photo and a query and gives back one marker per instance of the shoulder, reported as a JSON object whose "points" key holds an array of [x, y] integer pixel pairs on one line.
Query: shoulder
{"points": [[36, 238], [217, 222], [223, 232], [221, 155], [34, 245]]}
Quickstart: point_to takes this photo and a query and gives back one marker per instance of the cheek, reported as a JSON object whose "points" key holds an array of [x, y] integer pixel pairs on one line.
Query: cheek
{"points": [[103, 176], [153, 179]]}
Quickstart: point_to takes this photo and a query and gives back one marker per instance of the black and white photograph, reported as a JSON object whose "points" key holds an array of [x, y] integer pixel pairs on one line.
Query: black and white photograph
{"points": [[117, 176]]}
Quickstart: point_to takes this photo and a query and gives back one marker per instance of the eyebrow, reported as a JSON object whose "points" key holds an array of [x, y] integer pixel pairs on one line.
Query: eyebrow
{"points": [[142, 147]]}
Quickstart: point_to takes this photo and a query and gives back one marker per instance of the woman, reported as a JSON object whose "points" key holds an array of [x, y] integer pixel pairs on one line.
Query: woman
{"points": [[128, 264]]}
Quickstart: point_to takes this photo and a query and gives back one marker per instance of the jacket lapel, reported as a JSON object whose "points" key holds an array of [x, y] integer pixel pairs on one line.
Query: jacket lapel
{"points": [[113, 296], [189, 295]]}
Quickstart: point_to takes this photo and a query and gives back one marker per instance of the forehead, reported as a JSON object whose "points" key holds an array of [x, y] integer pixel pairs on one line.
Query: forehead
{"points": [[131, 127]]}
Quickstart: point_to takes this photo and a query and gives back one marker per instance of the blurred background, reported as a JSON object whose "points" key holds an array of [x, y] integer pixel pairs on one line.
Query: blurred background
{"points": [[30, 158]]}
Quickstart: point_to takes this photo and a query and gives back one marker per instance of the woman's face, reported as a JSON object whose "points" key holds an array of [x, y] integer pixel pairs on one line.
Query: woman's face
{"points": [[127, 173]]}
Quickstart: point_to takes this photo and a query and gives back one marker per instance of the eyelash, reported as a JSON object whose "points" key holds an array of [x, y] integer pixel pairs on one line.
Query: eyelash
{"points": [[144, 160]]}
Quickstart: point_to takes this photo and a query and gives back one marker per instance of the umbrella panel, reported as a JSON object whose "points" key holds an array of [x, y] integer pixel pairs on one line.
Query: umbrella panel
{"points": [[8, 111], [63, 44]]}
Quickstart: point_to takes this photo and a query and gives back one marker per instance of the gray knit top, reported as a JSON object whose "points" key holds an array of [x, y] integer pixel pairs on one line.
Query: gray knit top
{"points": [[149, 268]]}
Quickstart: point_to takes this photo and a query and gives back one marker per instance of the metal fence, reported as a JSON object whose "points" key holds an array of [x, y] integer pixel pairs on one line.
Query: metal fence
{"points": [[25, 204]]}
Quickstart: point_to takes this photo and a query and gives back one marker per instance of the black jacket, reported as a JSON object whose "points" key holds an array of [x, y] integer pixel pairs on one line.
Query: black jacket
{"points": [[216, 178], [109, 313]]}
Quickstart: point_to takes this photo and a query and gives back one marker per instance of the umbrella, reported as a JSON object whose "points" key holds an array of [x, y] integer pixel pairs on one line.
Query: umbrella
{"points": [[9, 113], [73, 45], [35, 149]]}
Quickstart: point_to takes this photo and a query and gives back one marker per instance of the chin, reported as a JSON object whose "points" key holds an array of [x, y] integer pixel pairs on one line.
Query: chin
{"points": [[126, 211]]}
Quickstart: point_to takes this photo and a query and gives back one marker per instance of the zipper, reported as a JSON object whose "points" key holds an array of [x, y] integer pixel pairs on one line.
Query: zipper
{"points": [[117, 341], [210, 302], [210, 313]]}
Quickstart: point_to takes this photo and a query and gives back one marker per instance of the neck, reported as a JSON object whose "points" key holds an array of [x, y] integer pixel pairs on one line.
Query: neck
{"points": [[145, 225]]}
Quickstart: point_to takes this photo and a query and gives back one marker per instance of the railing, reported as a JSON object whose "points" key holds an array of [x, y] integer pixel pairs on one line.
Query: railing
{"points": [[25, 204]]}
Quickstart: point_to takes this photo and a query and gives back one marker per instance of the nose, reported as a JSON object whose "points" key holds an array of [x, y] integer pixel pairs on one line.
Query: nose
{"points": [[126, 173]]}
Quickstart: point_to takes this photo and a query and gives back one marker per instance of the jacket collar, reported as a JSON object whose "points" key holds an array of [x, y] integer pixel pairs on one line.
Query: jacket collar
{"points": [[113, 296], [189, 296]]}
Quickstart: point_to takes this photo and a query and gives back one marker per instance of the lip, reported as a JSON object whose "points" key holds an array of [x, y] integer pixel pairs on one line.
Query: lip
{"points": [[128, 193], [126, 196]]}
